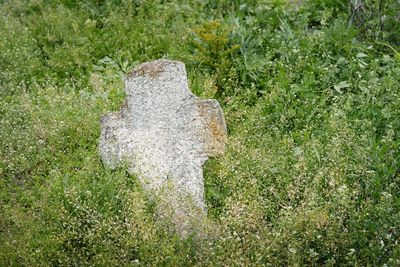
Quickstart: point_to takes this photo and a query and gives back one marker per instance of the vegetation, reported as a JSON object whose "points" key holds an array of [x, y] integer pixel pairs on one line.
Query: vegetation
{"points": [[310, 91]]}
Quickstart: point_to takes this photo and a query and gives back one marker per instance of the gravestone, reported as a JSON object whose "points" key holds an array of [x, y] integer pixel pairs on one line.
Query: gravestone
{"points": [[164, 134]]}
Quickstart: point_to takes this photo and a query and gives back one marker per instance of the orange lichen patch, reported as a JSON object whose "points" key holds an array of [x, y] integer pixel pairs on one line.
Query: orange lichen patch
{"points": [[153, 70], [215, 131]]}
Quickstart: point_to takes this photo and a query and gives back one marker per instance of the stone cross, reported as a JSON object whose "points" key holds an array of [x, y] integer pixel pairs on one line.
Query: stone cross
{"points": [[164, 134]]}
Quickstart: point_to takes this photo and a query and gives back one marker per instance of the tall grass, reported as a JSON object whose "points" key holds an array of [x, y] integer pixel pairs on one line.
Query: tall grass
{"points": [[311, 172]]}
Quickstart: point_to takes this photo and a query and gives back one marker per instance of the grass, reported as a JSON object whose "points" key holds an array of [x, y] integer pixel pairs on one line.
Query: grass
{"points": [[311, 175]]}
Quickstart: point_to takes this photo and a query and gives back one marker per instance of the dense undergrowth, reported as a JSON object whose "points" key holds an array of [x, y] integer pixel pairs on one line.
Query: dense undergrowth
{"points": [[311, 175]]}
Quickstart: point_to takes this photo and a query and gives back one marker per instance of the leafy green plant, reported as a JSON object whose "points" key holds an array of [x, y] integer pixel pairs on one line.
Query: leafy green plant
{"points": [[213, 48]]}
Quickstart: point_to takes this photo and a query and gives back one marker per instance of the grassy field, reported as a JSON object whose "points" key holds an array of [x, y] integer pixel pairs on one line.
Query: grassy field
{"points": [[311, 175]]}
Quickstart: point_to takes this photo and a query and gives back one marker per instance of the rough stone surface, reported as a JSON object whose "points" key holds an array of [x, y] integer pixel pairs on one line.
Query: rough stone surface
{"points": [[164, 133]]}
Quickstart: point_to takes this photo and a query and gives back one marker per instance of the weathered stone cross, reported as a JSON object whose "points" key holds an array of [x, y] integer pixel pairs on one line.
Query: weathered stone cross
{"points": [[165, 134]]}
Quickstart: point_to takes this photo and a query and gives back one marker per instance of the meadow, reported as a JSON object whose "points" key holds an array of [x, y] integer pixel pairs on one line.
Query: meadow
{"points": [[311, 96]]}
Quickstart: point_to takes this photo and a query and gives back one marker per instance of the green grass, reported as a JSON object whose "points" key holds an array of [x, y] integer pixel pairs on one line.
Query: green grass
{"points": [[311, 175]]}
